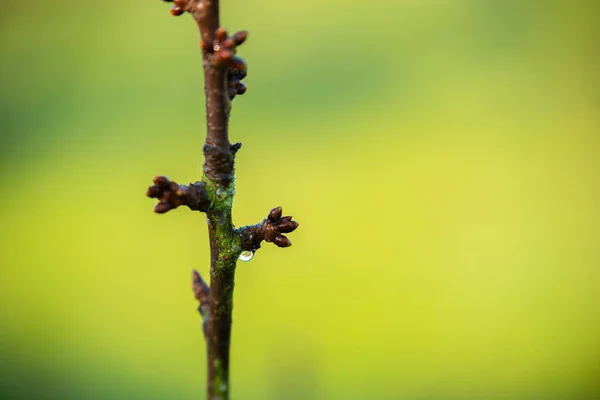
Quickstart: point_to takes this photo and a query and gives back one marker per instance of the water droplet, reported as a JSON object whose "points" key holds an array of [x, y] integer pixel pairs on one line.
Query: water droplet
{"points": [[246, 255]]}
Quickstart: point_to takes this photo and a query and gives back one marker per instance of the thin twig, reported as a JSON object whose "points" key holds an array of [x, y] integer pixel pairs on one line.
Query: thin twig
{"points": [[223, 73]]}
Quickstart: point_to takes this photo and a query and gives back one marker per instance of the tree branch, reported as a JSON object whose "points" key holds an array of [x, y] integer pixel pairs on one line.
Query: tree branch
{"points": [[223, 73]]}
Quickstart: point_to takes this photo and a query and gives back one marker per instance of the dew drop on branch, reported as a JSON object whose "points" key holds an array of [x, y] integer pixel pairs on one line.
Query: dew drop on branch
{"points": [[246, 255]]}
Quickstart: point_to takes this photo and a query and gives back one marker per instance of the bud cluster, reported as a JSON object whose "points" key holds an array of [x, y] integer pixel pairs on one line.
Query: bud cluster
{"points": [[275, 225], [222, 51], [271, 229], [172, 195]]}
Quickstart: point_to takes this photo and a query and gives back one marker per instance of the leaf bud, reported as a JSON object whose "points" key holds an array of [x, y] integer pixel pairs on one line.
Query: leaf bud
{"points": [[220, 33], [239, 37], [153, 191], [287, 226], [238, 68], [241, 88], [176, 11], [282, 241], [162, 208], [275, 214]]}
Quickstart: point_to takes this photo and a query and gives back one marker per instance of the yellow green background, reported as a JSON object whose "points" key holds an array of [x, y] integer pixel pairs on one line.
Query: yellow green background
{"points": [[442, 158]]}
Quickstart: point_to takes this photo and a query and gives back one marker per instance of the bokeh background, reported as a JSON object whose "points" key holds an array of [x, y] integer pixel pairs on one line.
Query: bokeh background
{"points": [[442, 158]]}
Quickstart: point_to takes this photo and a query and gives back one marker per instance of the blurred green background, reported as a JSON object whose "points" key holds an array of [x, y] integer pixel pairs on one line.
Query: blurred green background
{"points": [[442, 158]]}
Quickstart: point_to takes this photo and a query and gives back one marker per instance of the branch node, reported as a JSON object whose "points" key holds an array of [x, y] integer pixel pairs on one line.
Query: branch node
{"points": [[218, 162]]}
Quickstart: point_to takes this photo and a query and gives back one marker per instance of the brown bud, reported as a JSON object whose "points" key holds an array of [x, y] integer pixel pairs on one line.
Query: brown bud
{"points": [[238, 68], [228, 43], [287, 226], [180, 3], [239, 37], [166, 196], [162, 208], [176, 11], [226, 55], [222, 57], [241, 88], [153, 191], [275, 214], [220, 33], [287, 218], [282, 241], [162, 182]]}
